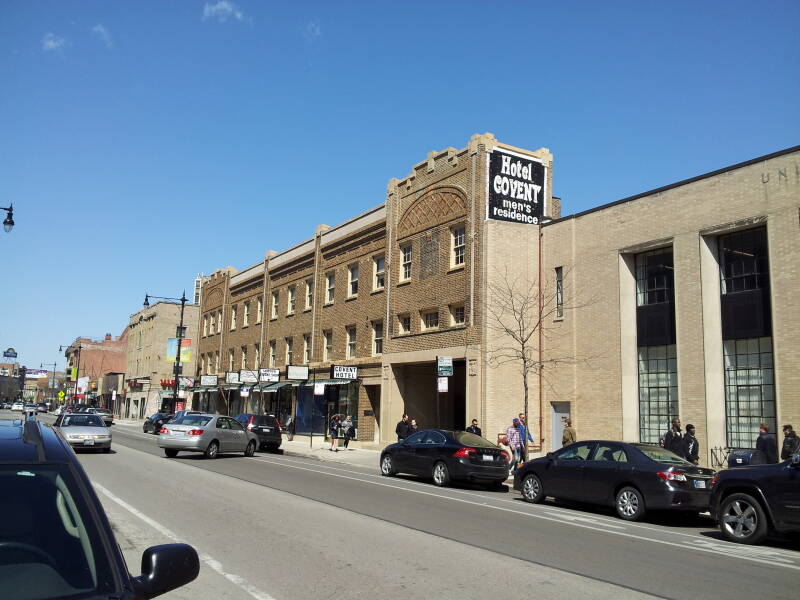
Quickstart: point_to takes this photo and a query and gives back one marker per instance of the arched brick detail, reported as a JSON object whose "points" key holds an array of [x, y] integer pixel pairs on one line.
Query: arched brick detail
{"points": [[436, 206], [214, 298]]}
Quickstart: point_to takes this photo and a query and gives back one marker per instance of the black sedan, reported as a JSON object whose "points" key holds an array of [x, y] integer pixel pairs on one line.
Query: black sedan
{"points": [[446, 456], [266, 427], [631, 477], [154, 422]]}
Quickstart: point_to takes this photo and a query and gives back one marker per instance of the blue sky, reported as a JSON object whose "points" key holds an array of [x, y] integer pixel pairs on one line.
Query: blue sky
{"points": [[144, 142]]}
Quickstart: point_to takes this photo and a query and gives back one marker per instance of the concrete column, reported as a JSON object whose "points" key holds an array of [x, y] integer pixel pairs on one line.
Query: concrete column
{"points": [[629, 363]]}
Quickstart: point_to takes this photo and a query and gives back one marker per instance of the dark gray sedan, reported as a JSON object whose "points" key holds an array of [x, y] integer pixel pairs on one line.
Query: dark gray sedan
{"points": [[209, 434]]}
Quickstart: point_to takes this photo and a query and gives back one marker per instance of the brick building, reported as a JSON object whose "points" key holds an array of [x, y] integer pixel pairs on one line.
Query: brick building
{"points": [[92, 360], [633, 322]]}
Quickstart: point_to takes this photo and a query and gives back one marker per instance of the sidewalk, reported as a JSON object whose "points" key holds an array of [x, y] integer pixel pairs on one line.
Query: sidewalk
{"points": [[358, 457]]}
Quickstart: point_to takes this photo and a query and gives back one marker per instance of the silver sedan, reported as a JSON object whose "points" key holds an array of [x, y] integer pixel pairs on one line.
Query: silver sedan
{"points": [[209, 434], [85, 431]]}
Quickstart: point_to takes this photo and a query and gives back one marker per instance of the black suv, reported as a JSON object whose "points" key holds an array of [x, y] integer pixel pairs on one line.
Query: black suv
{"points": [[155, 422], [750, 502], [55, 539], [266, 427]]}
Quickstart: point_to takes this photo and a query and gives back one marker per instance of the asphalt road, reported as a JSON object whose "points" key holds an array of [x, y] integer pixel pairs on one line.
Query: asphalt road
{"points": [[276, 526]]}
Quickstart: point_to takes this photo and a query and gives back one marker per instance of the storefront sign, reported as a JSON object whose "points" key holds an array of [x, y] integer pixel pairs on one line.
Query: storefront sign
{"points": [[246, 376], [517, 187], [244, 392], [319, 389], [441, 384], [269, 375], [36, 374], [186, 382], [232, 377], [296, 372], [342, 372], [10, 353], [444, 366], [208, 380]]}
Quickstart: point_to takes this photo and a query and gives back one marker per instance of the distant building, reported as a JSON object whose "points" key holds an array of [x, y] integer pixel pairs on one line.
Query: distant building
{"points": [[90, 360]]}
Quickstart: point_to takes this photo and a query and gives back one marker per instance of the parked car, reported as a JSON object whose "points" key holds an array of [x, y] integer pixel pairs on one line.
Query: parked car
{"points": [[180, 413], [103, 413], [17, 406], [59, 543], [209, 434], [156, 421], [751, 502], [446, 456], [30, 406], [633, 478], [85, 431], [41, 407], [6, 405], [266, 427]]}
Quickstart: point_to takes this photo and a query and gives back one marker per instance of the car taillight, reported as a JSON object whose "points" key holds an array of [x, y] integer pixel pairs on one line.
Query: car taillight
{"points": [[195, 432], [465, 453], [672, 475], [280, 427], [163, 430], [249, 426], [505, 456], [715, 479]]}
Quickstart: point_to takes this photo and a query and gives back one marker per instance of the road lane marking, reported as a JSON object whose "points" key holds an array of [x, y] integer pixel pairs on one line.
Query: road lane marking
{"points": [[722, 549], [211, 562]]}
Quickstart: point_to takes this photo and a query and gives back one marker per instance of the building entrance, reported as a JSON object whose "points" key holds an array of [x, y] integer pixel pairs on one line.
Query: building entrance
{"points": [[422, 402]]}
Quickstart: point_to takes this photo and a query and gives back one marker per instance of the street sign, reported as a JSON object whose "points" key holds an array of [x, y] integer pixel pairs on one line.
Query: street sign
{"points": [[343, 372], [10, 353], [441, 384], [61, 395], [232, 377], [444, 366], [208, 380], [248, 376], [296, 372], [268, 375]]}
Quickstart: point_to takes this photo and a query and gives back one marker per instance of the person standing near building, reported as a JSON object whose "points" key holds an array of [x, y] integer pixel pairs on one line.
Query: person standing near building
{"points": [[766, 443], [791, 443], [502, 442], [347, 430], [569, 436], [514, 436], [526, 435], [474, 427], [691, 447], [402, 429], [333, 431], [673, 439], [413, 428]]}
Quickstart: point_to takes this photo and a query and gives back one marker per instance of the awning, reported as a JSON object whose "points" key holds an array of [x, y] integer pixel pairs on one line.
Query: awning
{"points": [[272, 387], [330, 381], [231, 387]]}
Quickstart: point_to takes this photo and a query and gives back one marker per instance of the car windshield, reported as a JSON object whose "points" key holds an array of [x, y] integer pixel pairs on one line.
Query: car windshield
{"points": [[51, 545], [661, 455], [470, 439], [200, 420], [82, 420]]}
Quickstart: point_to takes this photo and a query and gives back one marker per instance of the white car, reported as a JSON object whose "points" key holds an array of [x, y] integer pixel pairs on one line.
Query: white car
{"points": [[17, 406]]}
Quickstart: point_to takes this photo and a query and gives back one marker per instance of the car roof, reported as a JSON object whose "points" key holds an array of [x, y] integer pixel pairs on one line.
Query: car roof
{"points": [[31, 442]]}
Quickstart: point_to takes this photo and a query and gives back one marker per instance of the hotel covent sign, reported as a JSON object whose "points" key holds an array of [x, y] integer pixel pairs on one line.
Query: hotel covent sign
{"points": [[517, 187]]}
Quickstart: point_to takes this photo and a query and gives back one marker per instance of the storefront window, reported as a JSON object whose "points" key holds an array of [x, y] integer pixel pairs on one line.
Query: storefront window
{"points": [[749, 390], [658, 391]]}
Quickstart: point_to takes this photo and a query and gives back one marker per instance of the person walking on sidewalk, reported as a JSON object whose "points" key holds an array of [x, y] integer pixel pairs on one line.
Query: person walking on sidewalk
{"points": [[569, 436], [791, 443], [347, 430], [691, 447], [502, 442], [514, 436], [673, 439], [402, 429], [766, 443], [333, 431]]}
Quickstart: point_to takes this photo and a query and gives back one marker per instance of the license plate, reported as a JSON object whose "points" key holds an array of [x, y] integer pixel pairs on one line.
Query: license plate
{"points": [[88, 442], [488, 457], [177, 433], [699, 484], [266, 429]]}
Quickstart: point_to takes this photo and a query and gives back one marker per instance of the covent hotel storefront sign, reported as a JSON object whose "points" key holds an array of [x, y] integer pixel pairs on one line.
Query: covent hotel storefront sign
{"points": [[517, 187]]}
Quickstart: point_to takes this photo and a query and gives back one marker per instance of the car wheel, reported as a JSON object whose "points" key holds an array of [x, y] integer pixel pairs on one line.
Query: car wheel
{"points": [[742, 520], [251, 449], [211, 451], [629, 504], [387, 466], [170, 452], [441, 474], [532, 490]]}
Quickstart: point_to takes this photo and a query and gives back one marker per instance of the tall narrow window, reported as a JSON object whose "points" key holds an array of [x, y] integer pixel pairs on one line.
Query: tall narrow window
{"points": [[328, 349], [559, 292], [273, 357], [219, 321], [306, 348], [404, 322], [216, 362], [257, 356], [457, 314], [309, 293], [274, 309], [213, 323], [377, 338], [246, 315], [259, 311], [457, 255], [353, 281], [330, 285], [379, 268], [233, 317], [231, 355], [658, 391], [289, 351], [205, 325], [244, 357], [405, 273], [351, 342], [292, 300]]}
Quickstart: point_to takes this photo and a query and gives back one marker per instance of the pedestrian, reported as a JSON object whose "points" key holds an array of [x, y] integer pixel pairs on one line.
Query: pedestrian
{"points": [[348, 430], [413, 428], [766, 443], [514, 436], [673, 439], [502, 442], [402, 429], [569, 436], [474, 427], [333, 431], [791, 443], [691, 447]]}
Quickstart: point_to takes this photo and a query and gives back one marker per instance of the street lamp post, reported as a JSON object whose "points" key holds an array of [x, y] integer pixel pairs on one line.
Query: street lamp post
{"points": [[53, 380], [78, 369], [8, 224], [177, 367]]}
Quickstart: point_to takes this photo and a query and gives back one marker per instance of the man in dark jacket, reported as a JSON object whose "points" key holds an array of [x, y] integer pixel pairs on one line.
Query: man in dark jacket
{"points": [[766, 443], [691, 447], [791, 443], [474, 427], [403, 428], [673, 439]]}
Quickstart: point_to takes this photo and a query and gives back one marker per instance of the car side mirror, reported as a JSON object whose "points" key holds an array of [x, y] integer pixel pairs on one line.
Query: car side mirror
{"points": [[165, 568]]}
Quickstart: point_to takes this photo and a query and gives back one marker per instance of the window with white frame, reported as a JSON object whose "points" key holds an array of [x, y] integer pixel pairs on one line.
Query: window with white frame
{"points": [[256, 356], [330, 287], [352, 289], [306, 348], [405, 266], [430, 319], [205, 325], [246, 315], [213, 322], [273, 357], [559, 292], [328, 349], [233, 317], [309, 293], [458, 245], [457, 316], [231, 358], [379, 270], [404, 322], [219, 321], [216, 362], [351, 341], [289, 350], [259, 311], [291, 302], [274, 309], [244, 357], [377, 338]]}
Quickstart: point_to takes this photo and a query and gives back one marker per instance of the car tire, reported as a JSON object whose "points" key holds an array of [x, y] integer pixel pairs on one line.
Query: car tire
{"points": [[387, 466], [742, 520], [532, 489], [629, 504], [170, 452], [440, 474], [211, 450], [251, 449]]}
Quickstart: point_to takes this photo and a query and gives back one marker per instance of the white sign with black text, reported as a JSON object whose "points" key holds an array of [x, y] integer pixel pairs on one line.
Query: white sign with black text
{"points": [[246, 376], [231, 377], [268, 375], [297, 372], [343, 372]]}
